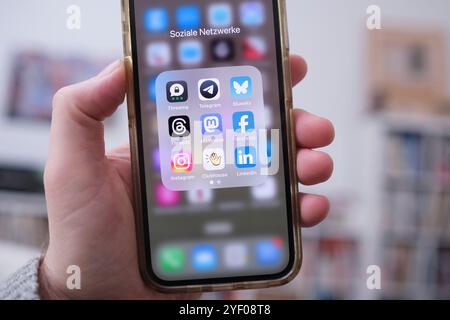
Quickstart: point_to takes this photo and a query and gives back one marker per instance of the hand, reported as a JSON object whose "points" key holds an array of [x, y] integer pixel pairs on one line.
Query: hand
{"points": [[89, 192]]}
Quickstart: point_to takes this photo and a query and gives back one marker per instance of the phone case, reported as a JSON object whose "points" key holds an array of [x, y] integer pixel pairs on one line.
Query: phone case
{"points": [[141, 241]]}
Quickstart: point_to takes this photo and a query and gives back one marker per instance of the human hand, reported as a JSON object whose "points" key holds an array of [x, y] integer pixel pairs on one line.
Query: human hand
{"points": [[89, 192]]}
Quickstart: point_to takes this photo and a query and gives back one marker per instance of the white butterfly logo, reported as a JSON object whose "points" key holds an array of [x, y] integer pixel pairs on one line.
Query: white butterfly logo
{"points": [[241, 88]]}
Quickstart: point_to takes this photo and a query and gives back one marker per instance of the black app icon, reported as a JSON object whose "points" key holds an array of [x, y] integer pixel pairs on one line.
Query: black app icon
{"points": [[179, 126], [209, 89], [222, 50], [177, 91]]}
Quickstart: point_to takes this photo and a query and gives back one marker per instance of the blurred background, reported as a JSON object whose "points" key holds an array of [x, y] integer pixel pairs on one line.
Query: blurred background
{"points": [[386, 91]]}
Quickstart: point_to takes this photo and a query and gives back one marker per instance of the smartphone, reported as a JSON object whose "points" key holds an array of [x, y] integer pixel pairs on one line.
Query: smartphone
{"points": [[213, 153]]}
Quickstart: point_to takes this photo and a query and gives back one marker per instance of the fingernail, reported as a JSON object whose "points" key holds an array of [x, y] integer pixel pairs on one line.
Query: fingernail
{"points": [[111, 68]]}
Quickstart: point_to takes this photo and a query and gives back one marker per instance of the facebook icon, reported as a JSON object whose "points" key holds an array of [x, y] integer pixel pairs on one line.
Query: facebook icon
{"points": [[243, 122]]}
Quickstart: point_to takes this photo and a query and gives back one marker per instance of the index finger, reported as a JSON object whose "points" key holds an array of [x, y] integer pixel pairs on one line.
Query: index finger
{"points": [[299, 69]]}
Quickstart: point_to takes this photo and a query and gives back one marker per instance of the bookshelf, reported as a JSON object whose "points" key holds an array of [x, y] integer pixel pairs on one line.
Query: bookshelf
{"points": [[23, 229], [23, 213], [415, 220], [23, 219]]}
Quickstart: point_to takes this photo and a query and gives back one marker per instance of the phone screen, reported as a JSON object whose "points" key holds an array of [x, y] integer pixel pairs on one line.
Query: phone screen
{"points": [[212, 140]]}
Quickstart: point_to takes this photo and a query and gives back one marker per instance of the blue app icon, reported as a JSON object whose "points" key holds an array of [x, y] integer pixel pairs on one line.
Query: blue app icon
{"points": [[220, 15], [204, 257], [211, 124], [241, 87], [243, 122], [245, 157], [252, 13], [188, 17], [152, 89], [156, 20], [190, 52], [268, 252]]}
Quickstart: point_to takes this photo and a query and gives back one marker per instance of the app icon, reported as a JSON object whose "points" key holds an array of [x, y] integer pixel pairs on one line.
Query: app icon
{"points": [[156, 20], [245, 157], [241, 87], [213, 159], [235, 255], [209, 89], [188, 17], [190, 52], [181, 162], [254, 48], [220, 15], [252, 13], [166, 197], [172, 259], [222, 50], [268, 252], [243, 122], [152, 89], [179, 126], [177, 91], [158, 54], [266, 191], [204, 257], [200, 196], [211, 124]]}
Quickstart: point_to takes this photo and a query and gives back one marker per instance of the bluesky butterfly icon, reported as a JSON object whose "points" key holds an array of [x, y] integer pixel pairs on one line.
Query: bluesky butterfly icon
{"points": [[241, 87]]}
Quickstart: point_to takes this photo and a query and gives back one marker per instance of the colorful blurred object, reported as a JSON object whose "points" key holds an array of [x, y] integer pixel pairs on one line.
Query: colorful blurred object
{"points": [[36, 78]]}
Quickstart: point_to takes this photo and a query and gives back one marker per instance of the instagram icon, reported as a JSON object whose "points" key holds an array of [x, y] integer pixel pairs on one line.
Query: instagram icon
{"points": [[181, 162]]}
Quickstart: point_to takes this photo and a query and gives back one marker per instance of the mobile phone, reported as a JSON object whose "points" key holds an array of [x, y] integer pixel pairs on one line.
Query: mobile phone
{"points": [[210, 119]]}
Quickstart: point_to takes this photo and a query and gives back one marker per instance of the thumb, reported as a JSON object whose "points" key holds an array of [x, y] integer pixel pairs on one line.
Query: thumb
{"points": [[77, 133]]}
